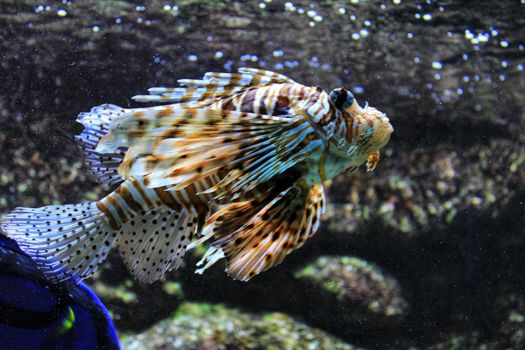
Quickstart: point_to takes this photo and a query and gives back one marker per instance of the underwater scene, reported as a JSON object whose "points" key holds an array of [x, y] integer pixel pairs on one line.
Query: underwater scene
{"points": [[262, 174]]}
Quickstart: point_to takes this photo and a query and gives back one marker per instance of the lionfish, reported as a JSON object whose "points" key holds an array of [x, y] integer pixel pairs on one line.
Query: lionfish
{"points": [[239, 158]]}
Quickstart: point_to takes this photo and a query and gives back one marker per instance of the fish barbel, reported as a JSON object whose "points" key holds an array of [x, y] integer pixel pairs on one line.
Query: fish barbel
{"points": [[238, 158]]}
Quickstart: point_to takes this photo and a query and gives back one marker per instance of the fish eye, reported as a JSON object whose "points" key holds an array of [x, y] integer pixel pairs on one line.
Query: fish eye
{"points": [[341, 98]]}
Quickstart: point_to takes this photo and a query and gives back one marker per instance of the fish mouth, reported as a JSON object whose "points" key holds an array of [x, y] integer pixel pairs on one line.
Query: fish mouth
{"points": [[383, 132]]}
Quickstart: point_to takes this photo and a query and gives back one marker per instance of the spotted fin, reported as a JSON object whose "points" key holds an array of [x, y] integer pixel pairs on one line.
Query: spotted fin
{"points": [[276, 229], [156, 242], [185, 146], [104, 167], [65, 240], [213, 86]]}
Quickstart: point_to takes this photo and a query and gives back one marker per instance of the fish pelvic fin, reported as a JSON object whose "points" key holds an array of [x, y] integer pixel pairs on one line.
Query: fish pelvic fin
{"points": [[276, 228], [64, 240]]}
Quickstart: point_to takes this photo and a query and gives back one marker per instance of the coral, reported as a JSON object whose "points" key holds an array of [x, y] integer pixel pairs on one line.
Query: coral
{"points": [[206, 326], [349, 283]]}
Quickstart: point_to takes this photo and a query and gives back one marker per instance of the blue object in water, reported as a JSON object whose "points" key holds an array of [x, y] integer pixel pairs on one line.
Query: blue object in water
{"points": [[38, 314]]}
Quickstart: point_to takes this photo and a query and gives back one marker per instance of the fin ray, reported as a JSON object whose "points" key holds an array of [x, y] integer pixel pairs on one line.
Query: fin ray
{"points": [[279, 226], [63, 240]]}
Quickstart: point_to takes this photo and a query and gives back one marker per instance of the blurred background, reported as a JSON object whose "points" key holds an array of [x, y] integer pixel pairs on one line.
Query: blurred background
{"points": [[425, 252]]}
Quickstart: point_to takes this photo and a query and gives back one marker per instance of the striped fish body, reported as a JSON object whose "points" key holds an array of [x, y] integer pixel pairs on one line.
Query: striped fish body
{"points": [[238, 158]]}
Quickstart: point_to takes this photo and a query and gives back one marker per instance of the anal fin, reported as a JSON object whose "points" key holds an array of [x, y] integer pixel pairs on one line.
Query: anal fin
{"points": [[156, 242]]}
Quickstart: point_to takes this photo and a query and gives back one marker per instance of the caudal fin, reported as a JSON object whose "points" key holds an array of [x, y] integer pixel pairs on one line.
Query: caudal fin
{"points": [[64, 240]]}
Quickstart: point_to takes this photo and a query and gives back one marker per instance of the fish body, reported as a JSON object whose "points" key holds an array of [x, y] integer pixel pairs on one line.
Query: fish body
{"points": [[38, 314], [235, 157]]}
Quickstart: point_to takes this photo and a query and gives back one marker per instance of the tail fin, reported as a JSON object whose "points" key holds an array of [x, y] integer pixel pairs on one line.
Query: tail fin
{"points": [[96, 125], [65, 240]]}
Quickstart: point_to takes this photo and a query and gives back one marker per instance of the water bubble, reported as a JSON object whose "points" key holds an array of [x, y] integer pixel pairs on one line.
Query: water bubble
{"points": [[358, 89], [311, 24], [410, 35], [504, 64], [341, 10], [355, 36], [140, 8], [437, 76], [311, 13], [502, 77], [519, 67], [277, 53], [300, 11], [417, 59], [427, 17], [363, 33], [478, 107], [192, 57], [504, 43], [468, 34], [465, 56], [483, 37], [61, 13], [278, 66], [228, 65], [417, 15], [288, 6], [353, 17], [118, 20], [354, 1], [437, 65], [367, 23], [95, 29], [262, 5], [318, 18], [459, 91], [466, 78], [396, 2], [166, 7], [218, 55], [39, 8]]}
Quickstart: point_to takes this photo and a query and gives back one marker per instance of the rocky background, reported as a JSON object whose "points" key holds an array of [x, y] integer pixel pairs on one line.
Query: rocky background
{"points": [[425, 252]]}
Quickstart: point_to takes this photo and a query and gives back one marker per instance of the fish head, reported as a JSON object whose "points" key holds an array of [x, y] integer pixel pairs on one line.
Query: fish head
{"points": [[371, 128]]}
